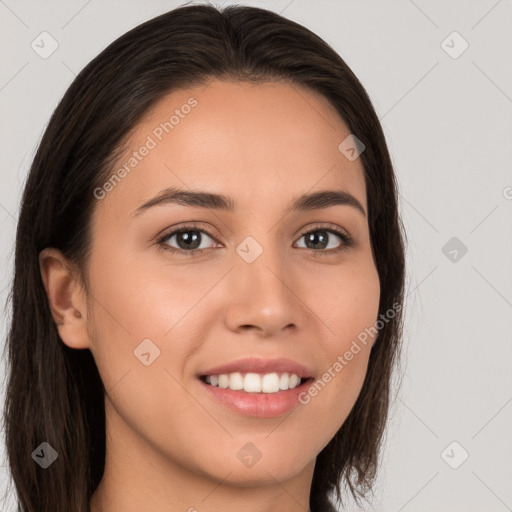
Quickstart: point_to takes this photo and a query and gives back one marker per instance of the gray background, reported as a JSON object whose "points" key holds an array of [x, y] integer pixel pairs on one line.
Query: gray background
{"points": [[448, 122]]}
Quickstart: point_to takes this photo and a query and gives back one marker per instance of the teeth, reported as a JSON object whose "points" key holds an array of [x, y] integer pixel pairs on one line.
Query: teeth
{"points": [[254, 382], [236, 381]]}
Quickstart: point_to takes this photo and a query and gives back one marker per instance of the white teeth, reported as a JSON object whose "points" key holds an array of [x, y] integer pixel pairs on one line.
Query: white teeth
{"points": [[255, 382], [236, 381], [294, 380], [223, 381], [214, 380], [270, 383], [252, 383]]}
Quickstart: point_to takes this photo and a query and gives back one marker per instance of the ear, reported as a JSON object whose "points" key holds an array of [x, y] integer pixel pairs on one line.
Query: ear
{"points": [[66, 298]]}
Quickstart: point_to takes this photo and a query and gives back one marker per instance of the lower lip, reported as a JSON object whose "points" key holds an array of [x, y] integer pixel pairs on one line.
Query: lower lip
{"points": [[260, 405]]}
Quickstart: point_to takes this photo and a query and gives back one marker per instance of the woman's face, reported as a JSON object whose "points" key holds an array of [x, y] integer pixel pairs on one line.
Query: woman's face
{"points": [[261, 279]]}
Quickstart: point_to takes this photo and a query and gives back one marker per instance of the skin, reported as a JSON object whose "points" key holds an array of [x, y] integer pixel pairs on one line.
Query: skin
{"points": [[170, 447]]}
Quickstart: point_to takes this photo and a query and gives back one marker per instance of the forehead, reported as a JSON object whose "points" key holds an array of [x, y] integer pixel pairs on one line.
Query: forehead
{"points": [[262, 143]]}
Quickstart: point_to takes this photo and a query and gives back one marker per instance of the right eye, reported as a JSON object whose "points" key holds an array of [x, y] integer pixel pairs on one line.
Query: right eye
{"points": [[188, 238]]}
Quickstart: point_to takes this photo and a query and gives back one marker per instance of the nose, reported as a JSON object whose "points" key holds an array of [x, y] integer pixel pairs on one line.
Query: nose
{"points": [[263, 295]]}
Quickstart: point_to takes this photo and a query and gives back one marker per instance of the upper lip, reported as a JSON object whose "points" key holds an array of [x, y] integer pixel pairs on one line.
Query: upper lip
{"points": [[260, 365]]}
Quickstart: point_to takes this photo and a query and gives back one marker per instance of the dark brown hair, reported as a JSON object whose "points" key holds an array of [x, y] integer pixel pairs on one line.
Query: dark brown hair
{"points": [[54, 393]]}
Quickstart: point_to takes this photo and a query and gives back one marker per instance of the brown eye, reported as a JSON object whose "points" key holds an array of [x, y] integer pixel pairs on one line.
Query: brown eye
{"points": [[321, 240], [189, 240]]}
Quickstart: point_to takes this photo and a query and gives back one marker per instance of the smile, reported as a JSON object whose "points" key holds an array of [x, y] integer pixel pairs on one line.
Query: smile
{"points": [[256, 404], [255, 382]]}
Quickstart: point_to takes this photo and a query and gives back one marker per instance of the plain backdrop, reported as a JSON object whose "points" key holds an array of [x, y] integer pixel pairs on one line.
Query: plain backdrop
{"points": [[440, 77]]}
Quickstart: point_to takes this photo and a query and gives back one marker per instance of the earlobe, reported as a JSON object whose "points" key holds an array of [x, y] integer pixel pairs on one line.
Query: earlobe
{"points": [[65, 297]]}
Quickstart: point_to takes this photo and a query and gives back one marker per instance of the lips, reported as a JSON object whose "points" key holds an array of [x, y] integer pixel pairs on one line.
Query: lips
{"points": [[260, 365], [255, 405]]}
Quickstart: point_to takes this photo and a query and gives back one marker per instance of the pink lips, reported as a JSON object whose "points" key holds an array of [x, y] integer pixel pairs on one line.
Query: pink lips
{"points": [[260, 405], [258, 365]]}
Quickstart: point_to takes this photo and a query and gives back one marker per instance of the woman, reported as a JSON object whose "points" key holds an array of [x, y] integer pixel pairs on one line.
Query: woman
{"points": [[208, 280]]}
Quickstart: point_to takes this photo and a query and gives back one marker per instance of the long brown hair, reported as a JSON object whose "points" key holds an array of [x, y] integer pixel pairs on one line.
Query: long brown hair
{"points": [[55, 394]]}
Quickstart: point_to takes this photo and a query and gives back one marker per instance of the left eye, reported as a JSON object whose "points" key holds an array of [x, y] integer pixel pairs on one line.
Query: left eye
{"points": [[320, 236]]}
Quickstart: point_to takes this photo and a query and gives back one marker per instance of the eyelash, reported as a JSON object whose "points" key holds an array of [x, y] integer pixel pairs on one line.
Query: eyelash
{"points": [[347, 240]]}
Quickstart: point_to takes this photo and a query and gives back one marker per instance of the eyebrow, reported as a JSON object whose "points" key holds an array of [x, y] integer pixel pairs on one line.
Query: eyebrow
{"points": [[306, 202]]}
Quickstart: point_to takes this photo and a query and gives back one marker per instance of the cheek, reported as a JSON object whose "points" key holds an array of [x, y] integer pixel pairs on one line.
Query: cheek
{"points": [[136, 296], [345, 301], [348, 311], [143, 311]]}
